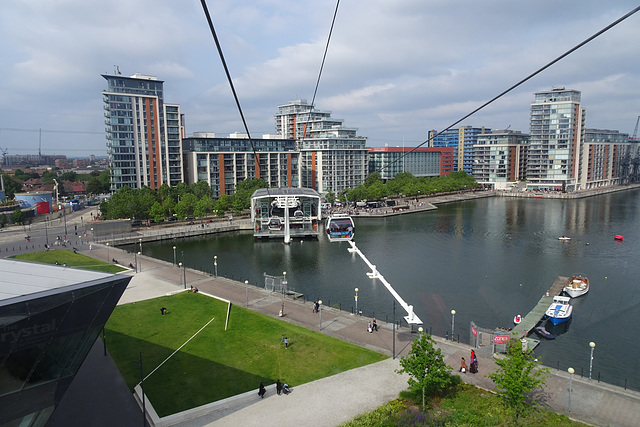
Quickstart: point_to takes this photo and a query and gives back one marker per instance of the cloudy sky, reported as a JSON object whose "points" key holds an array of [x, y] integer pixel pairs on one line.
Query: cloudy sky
{"points": [[394, 69]]}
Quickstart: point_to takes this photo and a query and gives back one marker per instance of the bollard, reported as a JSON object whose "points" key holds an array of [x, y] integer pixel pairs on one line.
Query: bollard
{"points": [[558, 365], [340, 306], [581, 372], [625, 383], [598, 376]]}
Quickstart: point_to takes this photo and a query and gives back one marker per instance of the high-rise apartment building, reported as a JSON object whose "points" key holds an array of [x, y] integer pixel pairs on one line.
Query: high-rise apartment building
{"points": [[144, 134], [556, 141], [500, 158], [462, 140], [332, 157]]}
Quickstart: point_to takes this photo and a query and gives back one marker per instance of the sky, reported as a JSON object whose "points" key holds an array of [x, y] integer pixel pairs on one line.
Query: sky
{"points": [[394, 69]]}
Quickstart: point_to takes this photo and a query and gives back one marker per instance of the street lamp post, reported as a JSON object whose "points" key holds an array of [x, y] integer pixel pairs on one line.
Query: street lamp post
{"points": [[174, 256], [284, 282], [180, 274], [108, 259], [320, 311], [135, 256], [140, 240], [592, 345], [215, 265], [246, 288], [571, 371], [356, 289], [140, 260], [453, 317], [46, 230]]}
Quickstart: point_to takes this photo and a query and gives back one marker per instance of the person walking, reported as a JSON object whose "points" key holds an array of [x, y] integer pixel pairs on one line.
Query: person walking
{"points": [[375, 325], [278, 387], [261, 390], [474, 362], [286, 342]]}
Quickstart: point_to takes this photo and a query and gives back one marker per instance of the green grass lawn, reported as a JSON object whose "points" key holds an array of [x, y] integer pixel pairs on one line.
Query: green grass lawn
{"points": [[217, 364], [65, 256], [465, 405]]}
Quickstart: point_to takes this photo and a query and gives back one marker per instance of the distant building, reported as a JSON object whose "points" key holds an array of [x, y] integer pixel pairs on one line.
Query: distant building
{"points": [[61, 164], [81, 163], [144, 134], [332, 157], [556, 141], [462, 141], [500, 158], [421, 161], [224, 162], [608, 158], [51, 317]]}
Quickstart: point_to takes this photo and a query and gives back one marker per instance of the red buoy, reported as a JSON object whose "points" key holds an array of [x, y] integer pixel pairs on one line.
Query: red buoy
{"points": [[618, 237]]}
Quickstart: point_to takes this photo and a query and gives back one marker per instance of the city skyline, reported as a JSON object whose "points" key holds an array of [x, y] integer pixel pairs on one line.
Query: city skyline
{"points": [[393, 71]]}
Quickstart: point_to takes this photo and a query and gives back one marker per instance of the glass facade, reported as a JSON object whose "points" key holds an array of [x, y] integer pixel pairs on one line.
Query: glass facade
{"points": [[462, 141], [45, 337]]}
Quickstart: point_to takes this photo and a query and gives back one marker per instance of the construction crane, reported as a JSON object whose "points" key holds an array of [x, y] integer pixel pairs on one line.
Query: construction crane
{"points": [[635, 131]]}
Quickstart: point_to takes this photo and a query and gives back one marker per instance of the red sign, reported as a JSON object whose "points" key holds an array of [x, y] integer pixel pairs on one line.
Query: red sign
{"points": [[475, 333], [501, 339]]}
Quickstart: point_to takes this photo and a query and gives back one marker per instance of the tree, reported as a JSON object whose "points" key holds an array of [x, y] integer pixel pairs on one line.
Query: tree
{"points": [[518, 373], [48, 177], [18, 217], [69, 176], [201, 189], [157, 212], [203, 206], [11, 186], [186, 206], [222, 204], [331, 197], [425, 366]]}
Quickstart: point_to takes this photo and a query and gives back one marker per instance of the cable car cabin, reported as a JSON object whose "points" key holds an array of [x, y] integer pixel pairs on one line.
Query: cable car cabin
{"points": [[340, 228], [275, 224]]}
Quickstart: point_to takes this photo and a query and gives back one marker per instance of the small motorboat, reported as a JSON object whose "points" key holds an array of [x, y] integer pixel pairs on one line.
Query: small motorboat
{"points": [[543, 333], [560, 310], [517, 319], [576, 286], [564, 238], [618, 237]]}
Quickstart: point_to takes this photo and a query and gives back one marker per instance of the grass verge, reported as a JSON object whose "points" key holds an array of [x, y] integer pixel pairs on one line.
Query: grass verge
{"points": [[217, 364], [65, 256], [465, 405]]}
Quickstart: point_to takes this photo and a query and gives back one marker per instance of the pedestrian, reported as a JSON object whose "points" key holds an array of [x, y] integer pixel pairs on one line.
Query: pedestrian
{"points": [[261, 390], [474, 363], [286, 342], [278, 387], [163, 311], [463, 366], [375, 325]]}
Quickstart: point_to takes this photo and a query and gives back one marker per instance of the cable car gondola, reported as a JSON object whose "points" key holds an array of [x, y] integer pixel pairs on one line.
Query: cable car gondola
{"points": [[340, 228], [275, 223]]}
